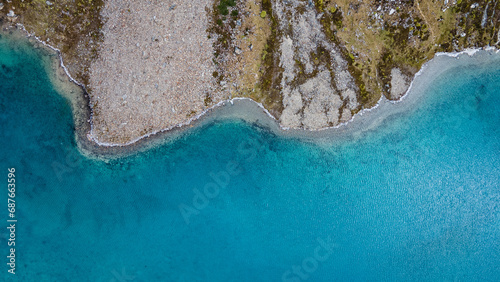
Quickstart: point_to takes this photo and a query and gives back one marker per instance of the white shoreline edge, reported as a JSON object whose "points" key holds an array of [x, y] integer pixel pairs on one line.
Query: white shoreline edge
{"points": [[468, 51], [53, 48]]}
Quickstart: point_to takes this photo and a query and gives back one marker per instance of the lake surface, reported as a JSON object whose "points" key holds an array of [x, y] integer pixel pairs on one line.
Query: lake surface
{"points": [[415, 199]]}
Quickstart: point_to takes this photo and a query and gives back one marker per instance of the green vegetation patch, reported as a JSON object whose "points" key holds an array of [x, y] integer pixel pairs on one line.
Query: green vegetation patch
{"points": [[223, 6], [73, 26], [269, 85], [477, 30], [222, 23]]}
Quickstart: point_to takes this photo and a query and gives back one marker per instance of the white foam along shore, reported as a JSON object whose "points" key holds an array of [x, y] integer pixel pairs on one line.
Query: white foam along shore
{"points": [[431, 71], [366, 118], [470, 52], [21, 26]]}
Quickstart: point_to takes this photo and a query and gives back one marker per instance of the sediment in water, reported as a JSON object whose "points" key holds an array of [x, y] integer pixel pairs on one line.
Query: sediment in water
{"points": [[241, 108]]}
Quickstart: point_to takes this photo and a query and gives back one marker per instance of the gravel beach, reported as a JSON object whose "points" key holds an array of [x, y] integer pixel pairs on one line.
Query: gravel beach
{"points": [[154, 69]]}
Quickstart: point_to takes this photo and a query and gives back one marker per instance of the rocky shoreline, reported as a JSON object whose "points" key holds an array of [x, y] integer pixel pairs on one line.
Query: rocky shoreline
{"points": [[154, 70], [163, 64], [235, 108]]}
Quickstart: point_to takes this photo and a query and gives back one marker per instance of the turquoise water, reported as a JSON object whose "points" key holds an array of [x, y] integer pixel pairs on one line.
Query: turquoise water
{"points": [[416, 199]]}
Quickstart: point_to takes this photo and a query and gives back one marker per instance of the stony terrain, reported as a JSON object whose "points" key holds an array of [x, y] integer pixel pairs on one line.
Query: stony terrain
{"points": [[318, 90], [154, 69], [151, 65]]}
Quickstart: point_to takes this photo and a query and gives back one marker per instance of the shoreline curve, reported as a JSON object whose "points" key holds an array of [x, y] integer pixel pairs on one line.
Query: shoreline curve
{"points": [[91, 147]]}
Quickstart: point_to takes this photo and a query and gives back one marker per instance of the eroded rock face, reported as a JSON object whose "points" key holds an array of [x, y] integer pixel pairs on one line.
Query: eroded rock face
{"points": [[323, 102], [399, 84], [292, 113], [318, 91]]}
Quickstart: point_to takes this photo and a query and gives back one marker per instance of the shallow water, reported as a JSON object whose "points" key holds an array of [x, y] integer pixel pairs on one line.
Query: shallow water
{"points": [[416, 199]]}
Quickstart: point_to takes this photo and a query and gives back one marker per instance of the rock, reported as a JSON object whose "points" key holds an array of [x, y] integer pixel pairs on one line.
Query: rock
{"points": [[1, 6], [238, 22], [392, 11], [318, 92], [346, 115], [485, 16], [399, 84], [238, 51], [11, 14], [291, 115], [48, 3]]}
